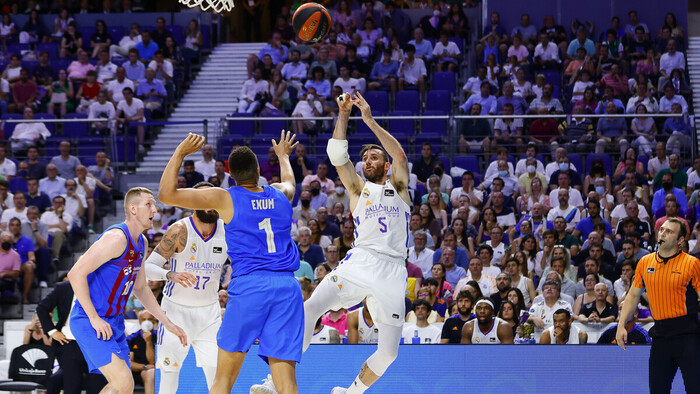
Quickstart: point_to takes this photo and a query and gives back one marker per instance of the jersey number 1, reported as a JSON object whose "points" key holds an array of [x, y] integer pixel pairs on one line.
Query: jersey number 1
{"points": [[267, 226]]}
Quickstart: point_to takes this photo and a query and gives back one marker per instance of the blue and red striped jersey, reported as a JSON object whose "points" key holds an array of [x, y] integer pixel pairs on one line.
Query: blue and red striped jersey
{"points": [[111, 284]]}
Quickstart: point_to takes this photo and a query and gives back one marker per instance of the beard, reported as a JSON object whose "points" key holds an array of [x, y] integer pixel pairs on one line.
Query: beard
{"points": [[372, 174], [465, 311], [205, 217]]}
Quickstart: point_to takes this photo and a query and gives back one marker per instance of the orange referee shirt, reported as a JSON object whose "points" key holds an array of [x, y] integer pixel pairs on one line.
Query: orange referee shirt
{"points": [[667, 284]]}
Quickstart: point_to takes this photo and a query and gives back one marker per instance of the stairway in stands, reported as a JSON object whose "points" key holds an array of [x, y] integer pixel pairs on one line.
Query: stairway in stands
{"points": [[212, 95], [693, 59]]}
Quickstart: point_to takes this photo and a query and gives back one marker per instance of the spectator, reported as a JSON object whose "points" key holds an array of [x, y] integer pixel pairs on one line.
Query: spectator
{"points": [[328, 66], [61, 92], [127, 42], [487, 102], [446, 53], [44, 74], [678, 129], [86, 186], [60, 24], [33, 31], [101, 109], [71, 41], [311, 253], [8, 168], [309, 106], [611, 131], [65, 162], [87, 93], [546, 101], [670, 61], [38, 234], [146, 48], [192, 176], [164, 72], [562, 331], [618, 82], [599, 311], [25, 248], [424, 48], [419, 254], [421, 330], [106, 70], [76, 204], [160, 33], [527, 31], [10, 264], [680, 177], [671, 207], [643, 97], [24, 92], [541, 313], [294, 71], [135, 69], [633, 24], [318, 198], [486, 283], [252, 88], [17, 210], [59, 223], [78, 69], [348, 84], [35, 168], [384, 73], [327, 186], [193, 43], [130, 110], [151, 91], [142, 351], [670, 98], [412, 72], [544, 131], [274, 48], [100, 40], [28, 134], [102, 171], [452, 329]]}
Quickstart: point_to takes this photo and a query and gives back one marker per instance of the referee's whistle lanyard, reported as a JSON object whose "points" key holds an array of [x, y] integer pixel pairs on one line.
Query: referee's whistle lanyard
{"points": [[664, 260]]}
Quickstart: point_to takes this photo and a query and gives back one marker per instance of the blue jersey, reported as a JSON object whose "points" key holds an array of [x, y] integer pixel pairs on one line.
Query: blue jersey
{"points": [[110, 285], [259, 234]]}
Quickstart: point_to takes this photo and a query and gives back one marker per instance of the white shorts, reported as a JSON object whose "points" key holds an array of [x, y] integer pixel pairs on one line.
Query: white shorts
{"points": [[201, 325], [366, 274]]}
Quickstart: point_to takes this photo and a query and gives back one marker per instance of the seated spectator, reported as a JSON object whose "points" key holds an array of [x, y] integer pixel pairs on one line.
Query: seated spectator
{"points": [[102, 171], [294, 71], [87, 93], [518, 50], [102, 109], [10, 265], [65, 162], [44, 74], [78, 69], [320, 84], [678, 130], [33, 31], [618, 82], [24, 92], [542, 312], [8, 168], [36, 198], [670, 98], [76, 204], [636, 335], [421, 332], [328, 66], [671, 207], [28, 134], [486, 101], [611, 132], [59, 223], [680, 177], [424, 48], [670, 61], [61, 92], [12, 72], [71, 41], [445, 268], [566, 208], [25, 247], [17, 210], [127, 42], [384, 73], [115, 88], [53, 184], [412, 72], [546, 101], [135, 69], [142, 351], [562, 331], [347, 83], [106, 70], [311, 253], [544, 131], [507, 131], [129, 110], [152, 92], [473, 84], [600, 310], [576, 67], [308, 106], [274, 48], [581, 41], [643, 97], [249, 101], [192, 177], [100, 40], [146, 48], [446, 53]]}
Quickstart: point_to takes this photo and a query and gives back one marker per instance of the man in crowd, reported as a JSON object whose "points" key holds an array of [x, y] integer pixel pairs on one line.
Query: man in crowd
{"points": [[419, 255], [452, 329], [600, 311], [59, 223], [421, 330], [311, 253], [486, 329], [541, 313]]}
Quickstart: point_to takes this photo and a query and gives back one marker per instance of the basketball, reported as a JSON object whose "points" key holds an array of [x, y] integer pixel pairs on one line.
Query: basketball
{"points": [[311, 22]]}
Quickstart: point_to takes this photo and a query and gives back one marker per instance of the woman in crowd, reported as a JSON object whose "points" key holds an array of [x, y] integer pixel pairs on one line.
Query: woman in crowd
{"points": [[644, 128], [560, 251], [61, 93], [488, 222], [321, 271], [522, 86], [437, 206], [507, 313], [529, 246], [493, 70], [430, 223], [343, 14], [344, 242], [588, 101], [278, 88], [537, 194], [631, 154], [13, 70], [515, 296], [444, 289], [60, 24], [676, 30], [518, 50], [100, 40], [649, 66], [597, 171], [193, 43], [519, 280], [71, 41], [456, 23], [588, 297], [7, 30], [171, 51], [317, 236], [33, 31]]}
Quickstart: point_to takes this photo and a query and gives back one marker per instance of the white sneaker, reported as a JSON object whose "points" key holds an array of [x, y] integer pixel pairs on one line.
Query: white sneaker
{"points": [[43, 284], [339, 390], [267, 387]]}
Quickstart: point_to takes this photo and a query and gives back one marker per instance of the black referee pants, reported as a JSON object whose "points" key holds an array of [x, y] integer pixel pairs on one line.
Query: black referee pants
{"points": [[669, 354]]}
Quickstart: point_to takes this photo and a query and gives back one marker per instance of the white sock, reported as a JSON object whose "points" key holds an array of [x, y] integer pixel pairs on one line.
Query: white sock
{"points": [[357, 387]]}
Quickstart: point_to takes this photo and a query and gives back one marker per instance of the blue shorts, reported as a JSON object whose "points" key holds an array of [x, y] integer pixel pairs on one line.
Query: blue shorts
{"points": [[264, 305], [98, 352]]}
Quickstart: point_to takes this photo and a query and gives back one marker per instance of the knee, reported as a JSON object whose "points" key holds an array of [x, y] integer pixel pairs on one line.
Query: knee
{"points": [[124, 384], [148, 375]]}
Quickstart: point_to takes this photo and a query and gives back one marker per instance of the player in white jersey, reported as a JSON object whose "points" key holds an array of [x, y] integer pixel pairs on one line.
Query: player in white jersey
{"points": [[563, 332], [361, 327], [324, 335], [375, 267], [195, 250], [486, 329]]}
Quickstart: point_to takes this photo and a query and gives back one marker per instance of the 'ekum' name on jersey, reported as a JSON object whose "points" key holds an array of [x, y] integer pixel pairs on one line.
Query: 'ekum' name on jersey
{"points": [[268, 203]]}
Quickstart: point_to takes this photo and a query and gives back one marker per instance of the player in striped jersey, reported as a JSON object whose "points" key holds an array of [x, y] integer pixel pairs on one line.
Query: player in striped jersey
{"points": [[102, 279]]}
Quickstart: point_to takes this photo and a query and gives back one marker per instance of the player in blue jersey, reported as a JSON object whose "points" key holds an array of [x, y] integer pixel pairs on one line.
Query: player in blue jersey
{"points": [[102, 279], [265, 298]]}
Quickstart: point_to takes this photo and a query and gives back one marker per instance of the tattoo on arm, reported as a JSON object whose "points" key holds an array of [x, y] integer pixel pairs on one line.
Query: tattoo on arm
{"points": [[173, 241], [363, 371]]}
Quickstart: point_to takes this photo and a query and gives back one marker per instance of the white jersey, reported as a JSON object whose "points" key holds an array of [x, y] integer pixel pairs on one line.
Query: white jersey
{"points": [[489, 337], [544, 312], [522, 285], [573, 336], [203, 258], [323, 336], [366, 333], [381, 221]]}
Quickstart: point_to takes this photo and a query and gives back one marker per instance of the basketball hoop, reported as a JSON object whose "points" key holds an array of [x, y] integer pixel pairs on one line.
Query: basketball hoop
{"points": [[217, 6]]}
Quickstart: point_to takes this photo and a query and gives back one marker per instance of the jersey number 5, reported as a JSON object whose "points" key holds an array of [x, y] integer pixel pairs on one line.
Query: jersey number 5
{"points": [[267, 226]]}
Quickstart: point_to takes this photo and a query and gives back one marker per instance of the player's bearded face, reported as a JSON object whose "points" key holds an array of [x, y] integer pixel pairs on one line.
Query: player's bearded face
{"points": [[209, 216], [373, 169]]}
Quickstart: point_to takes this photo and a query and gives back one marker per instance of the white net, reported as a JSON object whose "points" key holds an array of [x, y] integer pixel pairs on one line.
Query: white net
{"points": [[217, 6]]}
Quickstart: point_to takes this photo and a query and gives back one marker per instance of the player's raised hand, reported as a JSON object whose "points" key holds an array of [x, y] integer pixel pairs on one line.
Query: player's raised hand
{"points": [[177, 331], [182, 278], [191, 144], [286, 144], [103, 329], [344, 102], [362, 104]]}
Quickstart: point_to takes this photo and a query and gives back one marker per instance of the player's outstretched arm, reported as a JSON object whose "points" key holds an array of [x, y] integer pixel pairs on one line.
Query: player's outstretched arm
{"points": [[173, 242], [283, 149], [145, 295], [111, 245], [630, 304], [399, 165], [337, 149], [206, 198]]}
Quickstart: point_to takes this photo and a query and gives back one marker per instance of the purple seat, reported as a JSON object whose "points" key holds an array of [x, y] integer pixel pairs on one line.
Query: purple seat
{"points": [[408, 100], [75, 129], [445, 80], [438, 100], [241, 128], [378, 100]]}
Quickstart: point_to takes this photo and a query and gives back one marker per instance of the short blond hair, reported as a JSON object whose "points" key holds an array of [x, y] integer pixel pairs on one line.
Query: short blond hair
{"points": [[134, 192]]}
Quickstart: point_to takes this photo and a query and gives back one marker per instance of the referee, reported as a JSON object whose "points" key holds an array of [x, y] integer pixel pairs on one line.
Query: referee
{"points": [[672, 281]]}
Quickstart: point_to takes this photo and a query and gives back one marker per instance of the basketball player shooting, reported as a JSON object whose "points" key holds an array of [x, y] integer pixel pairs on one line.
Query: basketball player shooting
{"points": [[375, 266]]}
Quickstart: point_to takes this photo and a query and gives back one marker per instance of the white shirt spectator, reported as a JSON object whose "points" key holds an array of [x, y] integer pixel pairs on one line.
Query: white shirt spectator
{"points": [[521, 167], [510, 182], [73, 204], [502, 126], [652, 106], [429, 335], [167, 69], [655, 165], [474, 84], [8, 168], [251, 88], [205, 168], [493, 169], [693, 179], [130, 110], [487, 284], [80, 189], [498, 253], [541, 310], [411, 72], [52, 188], [4, 85], [128, 42], [304, 108], [549, 53], [557, 211], [289, 71], [101, 111], [670, 62], [50, 218], [553, 167], [116, 88], [620, 213], [10, 213], [451, 49], [350, 86], [106, 72], [29, 131], [575, 198], [665, 104], [424, 260]]}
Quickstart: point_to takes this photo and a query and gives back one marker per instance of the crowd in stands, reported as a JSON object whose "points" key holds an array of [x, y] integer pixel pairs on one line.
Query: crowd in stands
{"points": [[550, 215]]}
